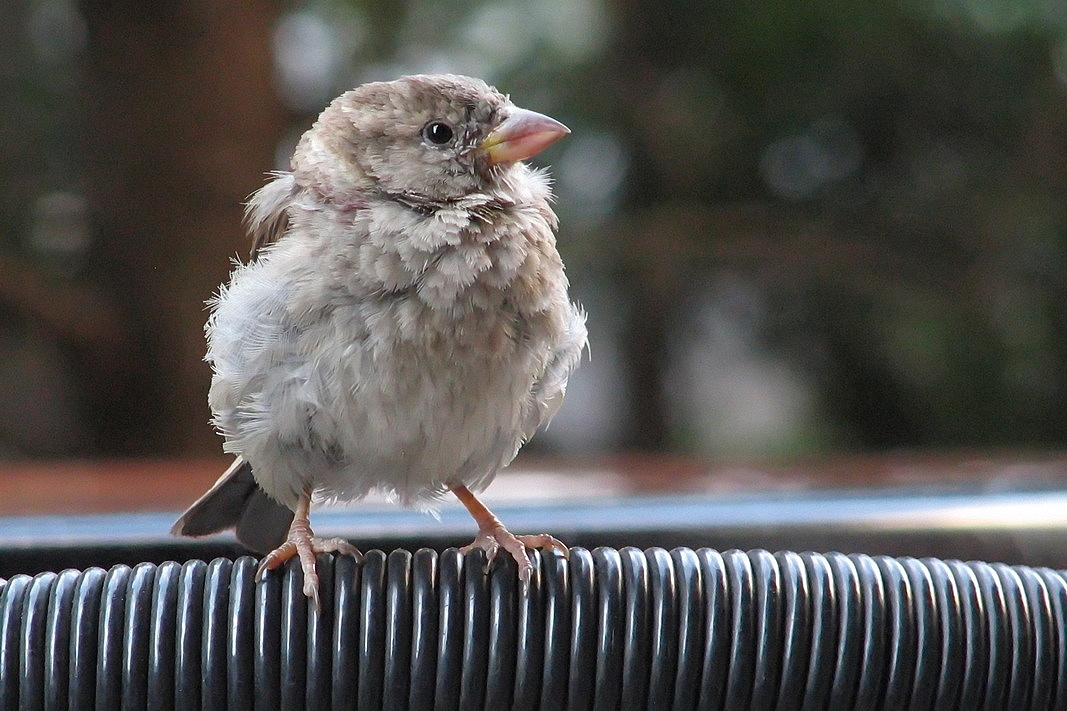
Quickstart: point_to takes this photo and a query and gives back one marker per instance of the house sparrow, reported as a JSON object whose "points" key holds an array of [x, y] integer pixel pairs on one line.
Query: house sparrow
{"points": [[403, 324]]}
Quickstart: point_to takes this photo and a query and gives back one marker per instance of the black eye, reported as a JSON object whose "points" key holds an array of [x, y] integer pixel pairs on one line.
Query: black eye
{"points": [[437, 132]]}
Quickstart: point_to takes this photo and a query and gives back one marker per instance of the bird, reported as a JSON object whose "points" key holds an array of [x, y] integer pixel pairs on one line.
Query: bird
{"points": [[403, 323]]}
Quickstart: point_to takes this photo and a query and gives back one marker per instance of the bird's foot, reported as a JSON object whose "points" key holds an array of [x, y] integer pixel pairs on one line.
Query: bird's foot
{"points": [[492, 537], [302, 543]]}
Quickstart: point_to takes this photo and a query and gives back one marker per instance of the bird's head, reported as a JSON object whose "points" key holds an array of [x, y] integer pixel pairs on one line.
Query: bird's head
{"points": [[431, 138]]}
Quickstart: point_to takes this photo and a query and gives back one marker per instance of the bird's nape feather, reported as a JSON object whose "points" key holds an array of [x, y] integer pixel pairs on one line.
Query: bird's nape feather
{"points": [[266, 212]]}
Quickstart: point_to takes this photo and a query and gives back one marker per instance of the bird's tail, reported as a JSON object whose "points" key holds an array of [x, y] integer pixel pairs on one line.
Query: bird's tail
{"points": [[236, 501]]}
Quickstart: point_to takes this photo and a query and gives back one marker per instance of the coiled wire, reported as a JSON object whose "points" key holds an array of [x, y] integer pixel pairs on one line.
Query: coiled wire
{"points": [[606, 629]]}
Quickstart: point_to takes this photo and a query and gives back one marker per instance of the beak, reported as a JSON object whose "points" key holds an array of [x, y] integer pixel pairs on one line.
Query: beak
{"points": [[522, 134]]}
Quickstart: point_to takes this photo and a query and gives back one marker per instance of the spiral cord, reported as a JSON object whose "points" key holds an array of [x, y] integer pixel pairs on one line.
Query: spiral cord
{"points": [[604, 629]]}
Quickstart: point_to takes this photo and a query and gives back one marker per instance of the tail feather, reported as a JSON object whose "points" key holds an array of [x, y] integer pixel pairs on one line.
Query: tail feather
{"points": [[236, 501]]}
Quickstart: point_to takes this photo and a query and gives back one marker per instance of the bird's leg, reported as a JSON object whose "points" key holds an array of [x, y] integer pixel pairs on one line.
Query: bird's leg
{"points": [[492, 536], [302, 543]]}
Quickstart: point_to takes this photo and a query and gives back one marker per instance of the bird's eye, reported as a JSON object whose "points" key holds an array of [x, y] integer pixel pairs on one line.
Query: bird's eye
{"points": [[438, 133]]}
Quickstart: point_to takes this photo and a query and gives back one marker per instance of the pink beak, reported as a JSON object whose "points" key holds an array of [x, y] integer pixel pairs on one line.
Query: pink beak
{"points": [[522, 134]]}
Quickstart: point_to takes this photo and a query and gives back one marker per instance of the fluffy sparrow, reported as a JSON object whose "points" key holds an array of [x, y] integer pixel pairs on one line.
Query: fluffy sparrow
{"points": [[403, 324]]}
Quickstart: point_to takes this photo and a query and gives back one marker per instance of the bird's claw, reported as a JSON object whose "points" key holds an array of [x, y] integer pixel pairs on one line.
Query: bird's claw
{"points": [[492, 539], [305, 546]]}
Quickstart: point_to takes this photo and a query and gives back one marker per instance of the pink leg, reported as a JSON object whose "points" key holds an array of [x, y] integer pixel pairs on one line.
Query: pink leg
{"points": [[492, 536], [302, 543]]}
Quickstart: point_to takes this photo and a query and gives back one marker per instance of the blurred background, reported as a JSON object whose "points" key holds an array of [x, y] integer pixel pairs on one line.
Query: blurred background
{"points": [[800, 227]]}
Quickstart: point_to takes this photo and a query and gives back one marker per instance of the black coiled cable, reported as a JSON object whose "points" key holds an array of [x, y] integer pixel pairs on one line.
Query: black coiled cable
{"points": [[606, 629]]}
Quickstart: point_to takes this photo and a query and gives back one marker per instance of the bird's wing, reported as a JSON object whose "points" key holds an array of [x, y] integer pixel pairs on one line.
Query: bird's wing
{"points": [[267, 210], [236, 501], [548, 392]]}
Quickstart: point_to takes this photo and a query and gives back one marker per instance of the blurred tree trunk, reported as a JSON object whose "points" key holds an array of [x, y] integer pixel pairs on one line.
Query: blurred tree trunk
{"points": [[646, 48], [183, 124]]}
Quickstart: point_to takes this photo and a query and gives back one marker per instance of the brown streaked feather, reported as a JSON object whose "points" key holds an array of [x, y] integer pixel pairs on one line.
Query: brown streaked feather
{"points": [[267, 210]]}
